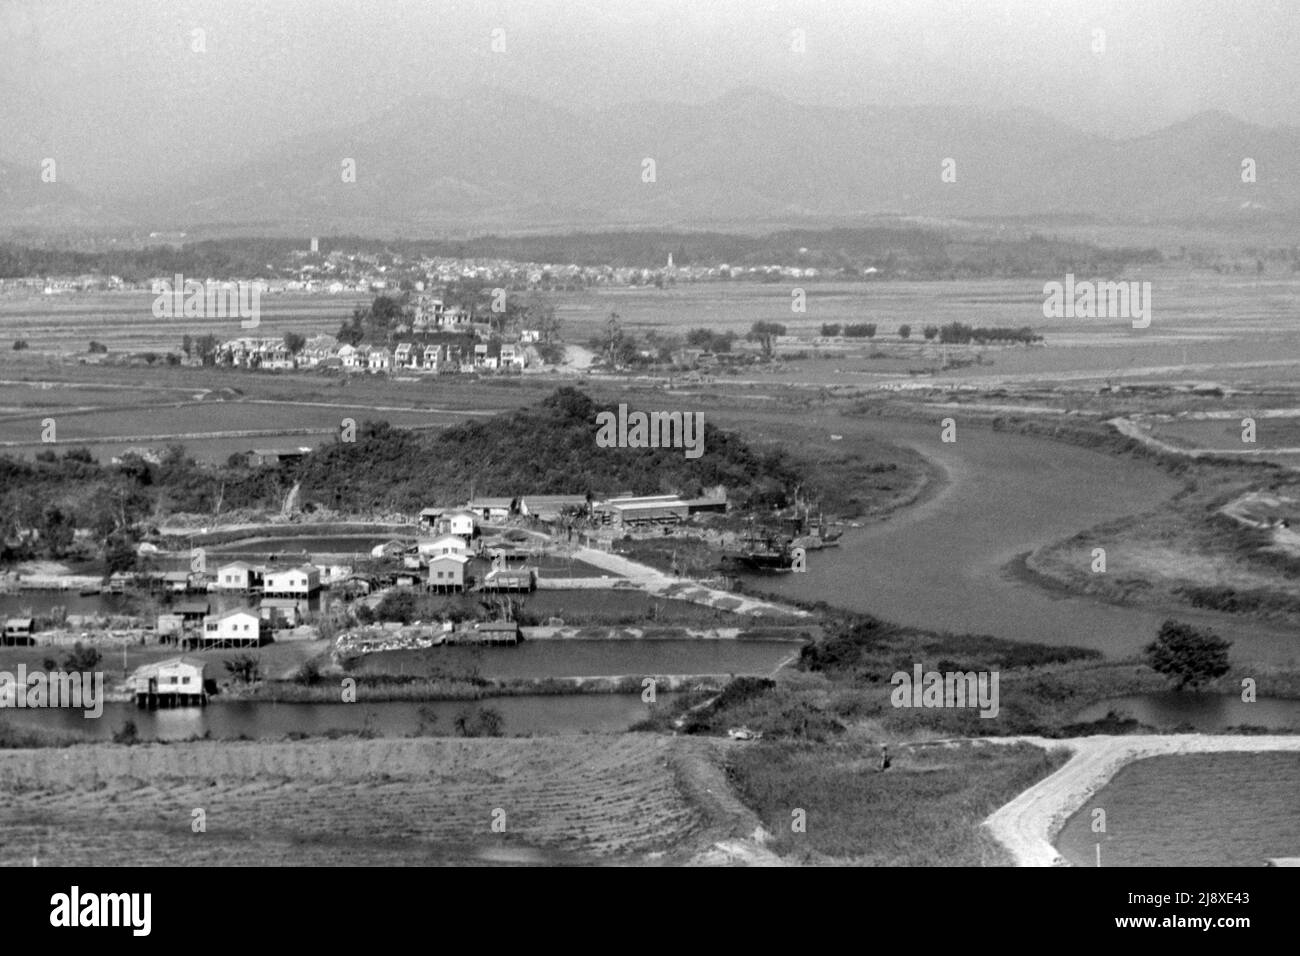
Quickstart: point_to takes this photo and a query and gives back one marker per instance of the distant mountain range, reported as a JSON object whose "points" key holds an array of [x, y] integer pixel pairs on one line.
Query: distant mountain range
{"points": [[499, 161]]}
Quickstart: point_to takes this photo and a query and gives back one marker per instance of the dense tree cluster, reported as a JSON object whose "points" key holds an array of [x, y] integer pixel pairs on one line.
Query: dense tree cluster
{"points": [[1187, 655], [546, 449], [218, 257], [955, 333], [710, 340]]}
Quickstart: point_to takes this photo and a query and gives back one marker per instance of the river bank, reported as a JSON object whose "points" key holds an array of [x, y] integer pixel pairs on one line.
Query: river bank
{"points": [[1004, 495]]}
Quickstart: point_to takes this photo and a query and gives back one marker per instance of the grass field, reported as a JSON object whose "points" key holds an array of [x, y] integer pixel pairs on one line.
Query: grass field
{"points": [[925, 810]]}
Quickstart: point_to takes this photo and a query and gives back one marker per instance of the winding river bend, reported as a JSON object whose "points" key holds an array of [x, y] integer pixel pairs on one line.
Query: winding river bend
{"points": [[943, 564]]}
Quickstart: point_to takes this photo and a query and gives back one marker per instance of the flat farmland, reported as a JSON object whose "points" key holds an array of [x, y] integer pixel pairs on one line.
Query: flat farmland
{"points": [[1203, 326], [216, 412], [1225, 809], [210, 430], [1224, 434], [360, 802], [1277, 435], [1226, 327], [124, 321]]}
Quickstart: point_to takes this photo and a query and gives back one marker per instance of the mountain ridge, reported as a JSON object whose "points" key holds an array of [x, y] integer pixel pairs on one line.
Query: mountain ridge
{"points": [[501, 160]]}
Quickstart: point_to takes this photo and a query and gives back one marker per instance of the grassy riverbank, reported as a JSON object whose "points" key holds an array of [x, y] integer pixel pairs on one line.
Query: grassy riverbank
{"points": [[1186, 553], [372, 688], [842, 687]]}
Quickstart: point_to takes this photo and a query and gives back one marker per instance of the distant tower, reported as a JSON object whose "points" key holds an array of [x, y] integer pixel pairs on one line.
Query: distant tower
{"points": [[315, 245], [670, 260]]}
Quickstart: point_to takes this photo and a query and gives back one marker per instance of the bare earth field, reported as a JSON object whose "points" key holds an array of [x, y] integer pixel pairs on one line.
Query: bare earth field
{"points": [[625, 799]]}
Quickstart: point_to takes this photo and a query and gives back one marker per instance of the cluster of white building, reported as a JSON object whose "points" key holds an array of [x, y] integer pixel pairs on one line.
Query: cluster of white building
{"points": [[282, 591], [324, 351]]}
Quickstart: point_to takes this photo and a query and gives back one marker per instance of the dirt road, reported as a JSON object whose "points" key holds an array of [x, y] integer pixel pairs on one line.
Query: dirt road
{"points": [[653, 581]]}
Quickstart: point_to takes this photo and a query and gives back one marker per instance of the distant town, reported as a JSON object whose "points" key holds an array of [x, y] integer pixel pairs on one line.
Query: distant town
{"points": [[339, 272]]}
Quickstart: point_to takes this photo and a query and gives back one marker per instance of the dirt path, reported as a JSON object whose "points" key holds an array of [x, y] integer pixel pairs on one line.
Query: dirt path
{"points": [[1028, 824], [735, 835], [682, 589]]}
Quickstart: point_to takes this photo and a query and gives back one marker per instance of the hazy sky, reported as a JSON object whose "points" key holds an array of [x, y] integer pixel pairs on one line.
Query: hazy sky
{"points": [[114, 91]]}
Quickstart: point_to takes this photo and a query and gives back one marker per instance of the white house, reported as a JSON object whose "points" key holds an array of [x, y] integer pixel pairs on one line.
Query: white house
{"points": [[381, 360], [443, 544], [292, 582], [175, 680], [238, 576], [18, 630], [234, 627], [428, 312], [358, 359], [319, 348], [170, 625], [460, 522], [447, 572], [278, 360]]}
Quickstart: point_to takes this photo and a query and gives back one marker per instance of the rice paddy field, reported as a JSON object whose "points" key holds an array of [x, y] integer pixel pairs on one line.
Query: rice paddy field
{"points": [[1215, 318], [1277, 436], [632, 798], [124, 321], [1203, 327], [1229, 809], [1225, 328], [214, 413]]}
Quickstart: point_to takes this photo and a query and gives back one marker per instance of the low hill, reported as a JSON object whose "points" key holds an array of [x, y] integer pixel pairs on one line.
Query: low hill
{"points": [[546, 449]]}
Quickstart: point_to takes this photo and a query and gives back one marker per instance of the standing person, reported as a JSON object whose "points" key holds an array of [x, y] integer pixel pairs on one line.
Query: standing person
{"points": [[884, 759]]}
